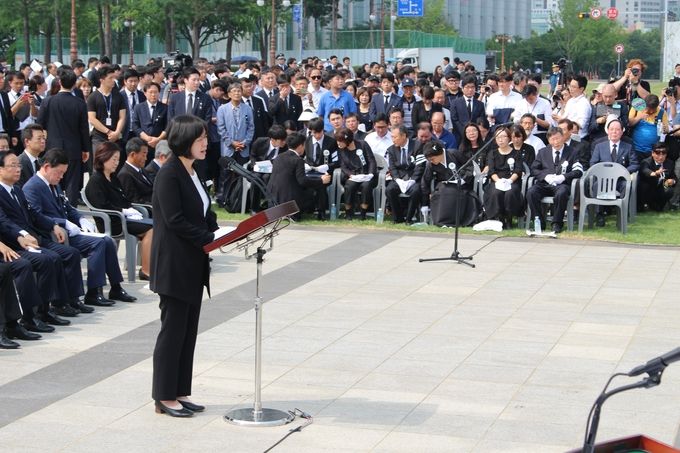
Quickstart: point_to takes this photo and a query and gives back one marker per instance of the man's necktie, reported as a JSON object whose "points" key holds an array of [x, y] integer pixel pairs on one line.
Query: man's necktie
{"points": [[134, 100], [557, 161], [614, 152], [153, 111], [190, 104], [14, 196], [403, 156], [469, 101], [271, 154], [249, 104], [146, 179], [387, 102], [317, 151], [36, 166]]}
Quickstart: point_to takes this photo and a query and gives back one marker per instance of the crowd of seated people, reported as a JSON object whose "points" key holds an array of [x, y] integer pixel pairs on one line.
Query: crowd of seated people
{"points": [[395, 131]]}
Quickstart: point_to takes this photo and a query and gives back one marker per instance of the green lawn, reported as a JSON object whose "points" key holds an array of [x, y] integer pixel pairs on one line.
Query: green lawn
{"points": [[648, 228]]}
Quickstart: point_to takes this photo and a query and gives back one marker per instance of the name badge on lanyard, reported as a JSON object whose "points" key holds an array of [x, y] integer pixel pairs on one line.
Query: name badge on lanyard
{"points": [[107, 103]]}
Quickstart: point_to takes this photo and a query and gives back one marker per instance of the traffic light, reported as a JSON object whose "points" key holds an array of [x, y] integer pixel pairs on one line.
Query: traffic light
{"points": [[584, 15]]}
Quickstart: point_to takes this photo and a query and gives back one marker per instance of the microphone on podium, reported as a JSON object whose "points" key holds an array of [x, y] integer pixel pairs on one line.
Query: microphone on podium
{"points": [[231, 164]]}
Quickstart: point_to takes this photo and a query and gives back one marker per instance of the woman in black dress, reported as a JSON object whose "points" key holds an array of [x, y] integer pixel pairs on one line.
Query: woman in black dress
{"points": [[503, 196], [471, 143], [357, 164], [104, 191], [423, 109], [526, 152]]}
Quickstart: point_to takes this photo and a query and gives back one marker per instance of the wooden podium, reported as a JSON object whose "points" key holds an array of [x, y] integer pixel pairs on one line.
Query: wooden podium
{"points": [[637, 443], [257, 231]]}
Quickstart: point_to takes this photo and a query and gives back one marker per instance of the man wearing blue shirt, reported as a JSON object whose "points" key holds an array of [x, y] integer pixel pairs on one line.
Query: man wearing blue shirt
{"points": [[335, 98]]}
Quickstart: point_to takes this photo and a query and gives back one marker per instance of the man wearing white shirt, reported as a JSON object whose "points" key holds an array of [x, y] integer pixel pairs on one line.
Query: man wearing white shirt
{"points": [[379, 140], [315, 87], [501, 104], [528, 123], [132, 97], [539, 108], [578, 108]]}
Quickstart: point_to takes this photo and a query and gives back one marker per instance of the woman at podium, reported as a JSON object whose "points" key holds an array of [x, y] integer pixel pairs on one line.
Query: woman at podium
{"points": [[183, 224]]}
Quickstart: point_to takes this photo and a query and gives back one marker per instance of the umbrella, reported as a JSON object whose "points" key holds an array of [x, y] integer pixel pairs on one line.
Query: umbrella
{"points": [[243, 59]]}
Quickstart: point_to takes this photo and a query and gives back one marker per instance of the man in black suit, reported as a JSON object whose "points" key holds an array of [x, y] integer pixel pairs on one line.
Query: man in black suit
{"points": [[268, 85], [132, 97], [657, 179], [261, 118], [149, 119], [288, 180], [23, 229], [161, 155], [553, 169], [385, 99], [404, 168], [265, 148], [465, 109], [137, 185], [64, 116], [352, 123], [320, 150], [45, 196], [33, 139], [190, 101], [285, 105]]}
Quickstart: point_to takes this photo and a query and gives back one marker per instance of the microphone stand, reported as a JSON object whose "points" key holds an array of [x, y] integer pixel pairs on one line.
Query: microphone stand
{"points": [[456, 256], [652, 380], [234, 166]]}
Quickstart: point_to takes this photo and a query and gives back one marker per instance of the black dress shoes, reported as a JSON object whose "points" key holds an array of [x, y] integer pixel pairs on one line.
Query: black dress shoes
{"points": [[36, 325], [66, 310], [143, 276], [557, 227], [191, 406], [81, 307], [6, 343], [163, 409], [98, 300], [21, 333], [51, 318], [121, 295]]}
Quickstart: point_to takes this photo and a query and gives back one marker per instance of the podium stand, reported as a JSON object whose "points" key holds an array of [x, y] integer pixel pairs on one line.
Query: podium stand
{"points": [[257, 232], [637, 443]]}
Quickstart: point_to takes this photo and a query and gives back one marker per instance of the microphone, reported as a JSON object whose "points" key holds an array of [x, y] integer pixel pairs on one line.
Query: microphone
{"points": [[656, 364]]}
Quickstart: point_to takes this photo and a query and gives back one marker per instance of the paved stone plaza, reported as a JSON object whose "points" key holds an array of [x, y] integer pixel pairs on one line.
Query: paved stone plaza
{"points": [[387, 354]]}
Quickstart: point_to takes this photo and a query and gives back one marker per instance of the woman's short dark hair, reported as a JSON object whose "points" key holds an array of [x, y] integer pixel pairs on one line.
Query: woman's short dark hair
{"points": [[183, 132], [103, 154], [344, 135], [517, 131]]}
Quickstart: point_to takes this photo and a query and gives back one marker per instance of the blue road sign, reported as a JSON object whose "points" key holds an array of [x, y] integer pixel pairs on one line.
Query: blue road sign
{"points": [[297, 15], [410, 8]]}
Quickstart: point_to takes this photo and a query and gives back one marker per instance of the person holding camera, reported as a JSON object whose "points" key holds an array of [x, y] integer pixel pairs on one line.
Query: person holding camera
{"points": [[631, 85]]}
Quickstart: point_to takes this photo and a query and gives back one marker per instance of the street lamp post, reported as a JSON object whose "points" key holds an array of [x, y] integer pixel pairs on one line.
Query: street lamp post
{"points": [[372, 17], [74, 35], [272, 37], [503, 39], [131, 25]]}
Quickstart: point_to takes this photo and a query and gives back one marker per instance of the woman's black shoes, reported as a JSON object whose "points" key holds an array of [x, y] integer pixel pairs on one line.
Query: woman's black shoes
{"points": [[191, 406], [163, 409]]}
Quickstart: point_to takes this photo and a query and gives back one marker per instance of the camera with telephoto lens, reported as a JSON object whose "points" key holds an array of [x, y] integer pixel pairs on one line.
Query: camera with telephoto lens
{"points": [[562, 63], [635, 72]]}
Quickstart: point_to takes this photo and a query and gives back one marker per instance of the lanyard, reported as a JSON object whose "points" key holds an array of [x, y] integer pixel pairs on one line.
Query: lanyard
{"points": [[107, 103]]}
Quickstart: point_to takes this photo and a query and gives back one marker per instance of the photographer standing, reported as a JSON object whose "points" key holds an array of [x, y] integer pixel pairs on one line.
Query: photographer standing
{"points": [[631, 85]]}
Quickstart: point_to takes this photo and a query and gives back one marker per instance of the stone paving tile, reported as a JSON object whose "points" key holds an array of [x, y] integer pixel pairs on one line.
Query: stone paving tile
{"points": [[388, 354]]}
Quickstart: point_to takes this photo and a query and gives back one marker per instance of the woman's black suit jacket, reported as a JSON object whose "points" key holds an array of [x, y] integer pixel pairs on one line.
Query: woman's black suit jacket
{"points": [[179, 266]]}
